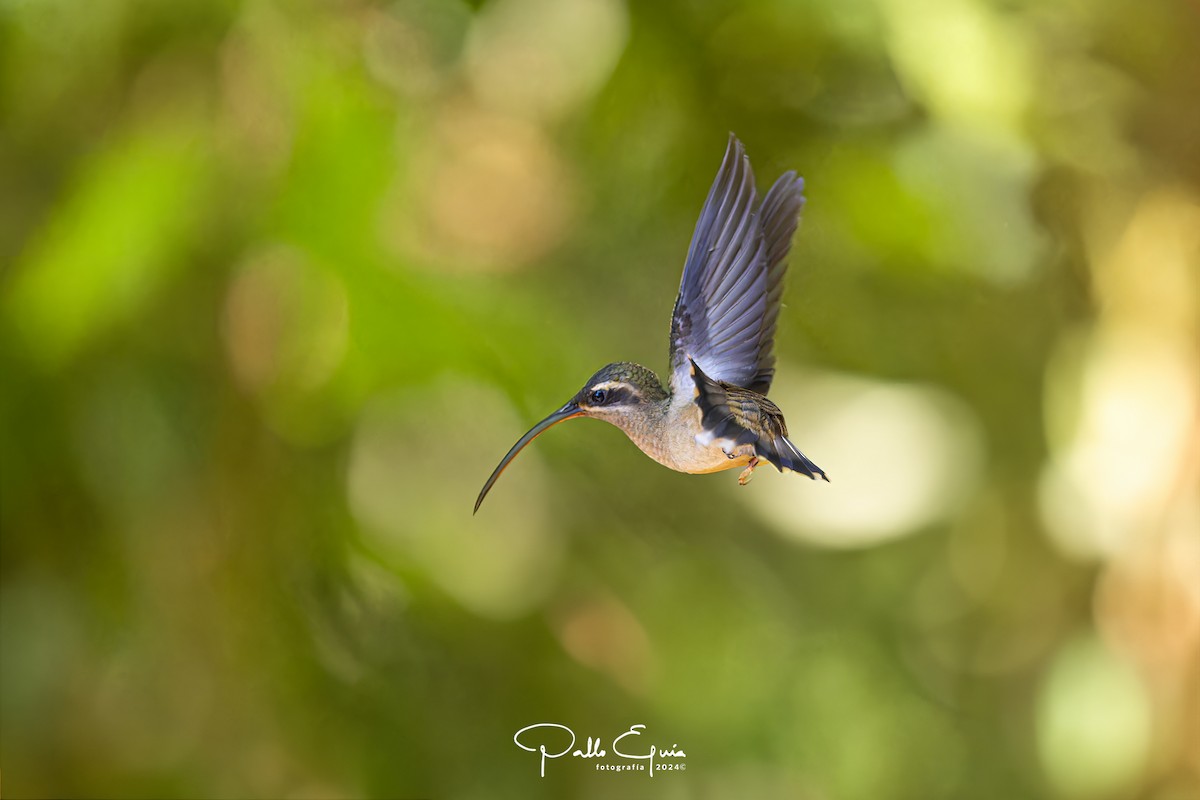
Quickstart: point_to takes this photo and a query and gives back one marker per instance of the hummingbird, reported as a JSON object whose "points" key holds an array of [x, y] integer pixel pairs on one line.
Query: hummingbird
{"points": [[714, 414]]}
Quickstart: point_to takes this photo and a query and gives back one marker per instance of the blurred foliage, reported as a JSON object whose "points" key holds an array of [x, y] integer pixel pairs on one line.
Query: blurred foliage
{"points": [[282, 281]]}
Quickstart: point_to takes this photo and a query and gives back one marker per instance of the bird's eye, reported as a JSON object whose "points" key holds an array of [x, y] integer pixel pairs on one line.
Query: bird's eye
{"points": [[599, 396]]}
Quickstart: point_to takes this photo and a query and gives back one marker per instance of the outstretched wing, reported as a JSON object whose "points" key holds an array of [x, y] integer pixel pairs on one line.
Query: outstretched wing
{"points": [[732, 283]]}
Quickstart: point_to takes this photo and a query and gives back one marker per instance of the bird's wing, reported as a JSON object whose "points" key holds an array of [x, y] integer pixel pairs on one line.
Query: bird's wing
{"points": [[735, 417], [732, 283]]}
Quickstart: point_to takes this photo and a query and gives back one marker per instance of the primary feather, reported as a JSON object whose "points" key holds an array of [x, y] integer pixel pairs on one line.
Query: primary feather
{"points": [[729, 298]]}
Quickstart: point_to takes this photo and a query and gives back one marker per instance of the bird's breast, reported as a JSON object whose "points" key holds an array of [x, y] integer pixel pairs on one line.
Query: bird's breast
{"points": [[676, 440]]}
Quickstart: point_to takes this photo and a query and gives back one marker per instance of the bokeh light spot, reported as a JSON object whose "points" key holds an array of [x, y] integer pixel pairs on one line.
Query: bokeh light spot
{"points": [[1093, 722], [966, 61], [540, 58], [286, 322], [417, 464], [954, 172], [286, 326], [602, 633], [1129, 401], [491, 194], [898, 457]]}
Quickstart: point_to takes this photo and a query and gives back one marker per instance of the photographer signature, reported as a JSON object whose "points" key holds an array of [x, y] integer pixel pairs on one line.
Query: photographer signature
{"points": [[528, 739]]}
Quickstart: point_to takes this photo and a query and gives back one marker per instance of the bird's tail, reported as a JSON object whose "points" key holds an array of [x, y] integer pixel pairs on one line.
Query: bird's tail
{"points": [[785, 455]]}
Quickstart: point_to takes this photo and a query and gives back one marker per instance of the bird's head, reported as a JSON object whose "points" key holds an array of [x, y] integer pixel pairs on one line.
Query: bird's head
{"points": [[618, 393], [618, 390]]}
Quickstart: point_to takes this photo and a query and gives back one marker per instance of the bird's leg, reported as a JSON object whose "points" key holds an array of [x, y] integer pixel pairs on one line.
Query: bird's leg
{"points": [[748, 472]]}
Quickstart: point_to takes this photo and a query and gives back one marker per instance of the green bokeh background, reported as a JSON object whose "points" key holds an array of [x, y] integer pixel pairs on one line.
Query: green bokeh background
{"points": [[282, 281]]}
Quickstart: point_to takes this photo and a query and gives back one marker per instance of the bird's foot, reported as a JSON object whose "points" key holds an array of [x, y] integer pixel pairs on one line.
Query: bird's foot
{"points": [[748, 472]]}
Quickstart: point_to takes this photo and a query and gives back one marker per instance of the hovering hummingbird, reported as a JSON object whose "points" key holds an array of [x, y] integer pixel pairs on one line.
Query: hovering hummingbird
{"points": [[715, 415]]}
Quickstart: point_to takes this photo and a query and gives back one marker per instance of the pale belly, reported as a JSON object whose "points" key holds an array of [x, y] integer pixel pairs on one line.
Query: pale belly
{"points": [[677, 446], [726, 463]]}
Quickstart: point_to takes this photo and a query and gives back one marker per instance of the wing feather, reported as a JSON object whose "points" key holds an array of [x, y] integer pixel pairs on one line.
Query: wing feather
{"points": [[742, 417], [729, 298]]}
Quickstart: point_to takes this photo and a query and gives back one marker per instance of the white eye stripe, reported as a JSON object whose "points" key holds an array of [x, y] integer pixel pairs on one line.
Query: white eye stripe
{"points": [[616, 395]]}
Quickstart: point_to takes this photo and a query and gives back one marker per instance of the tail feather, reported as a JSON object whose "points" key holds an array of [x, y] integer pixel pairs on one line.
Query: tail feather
{"points": [[791, 458]]}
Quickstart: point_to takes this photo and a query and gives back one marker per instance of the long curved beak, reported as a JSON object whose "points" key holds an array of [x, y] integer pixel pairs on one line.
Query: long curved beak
{"points": [[568, 411]]}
